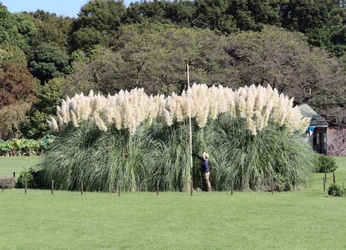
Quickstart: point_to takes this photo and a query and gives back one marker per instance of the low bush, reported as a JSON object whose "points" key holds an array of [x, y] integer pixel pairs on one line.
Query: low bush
{"points": [[26, 175], [335, 190]]}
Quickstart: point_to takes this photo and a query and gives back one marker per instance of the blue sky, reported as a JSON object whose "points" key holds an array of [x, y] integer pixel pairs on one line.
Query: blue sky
{"points": [[61, 7]]}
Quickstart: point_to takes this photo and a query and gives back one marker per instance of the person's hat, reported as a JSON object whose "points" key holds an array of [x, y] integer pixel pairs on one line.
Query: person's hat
{"points": [[205, 156]]}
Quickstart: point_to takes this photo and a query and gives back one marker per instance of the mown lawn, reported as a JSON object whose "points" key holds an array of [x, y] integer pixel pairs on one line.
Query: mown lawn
{"points": [[16, 164], [308, 219]]}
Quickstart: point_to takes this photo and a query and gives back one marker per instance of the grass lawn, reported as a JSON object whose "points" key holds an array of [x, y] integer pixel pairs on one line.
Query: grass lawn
{"points": [[16, 164], [308, 219]]}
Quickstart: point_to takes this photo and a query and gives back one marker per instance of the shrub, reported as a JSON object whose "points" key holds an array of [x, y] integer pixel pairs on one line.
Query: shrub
{"points": [[335, 190], [4, 147], [326, 164], [26, 175]]}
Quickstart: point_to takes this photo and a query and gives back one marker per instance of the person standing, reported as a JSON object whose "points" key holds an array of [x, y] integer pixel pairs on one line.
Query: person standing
{"points": [[205, 168]]}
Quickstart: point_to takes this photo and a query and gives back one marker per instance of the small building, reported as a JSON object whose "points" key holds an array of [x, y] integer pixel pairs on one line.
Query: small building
{"points": [[317, 131]]}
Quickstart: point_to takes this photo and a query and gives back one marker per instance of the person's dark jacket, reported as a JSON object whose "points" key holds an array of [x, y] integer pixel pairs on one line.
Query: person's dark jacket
{"points": [[204, 165]]}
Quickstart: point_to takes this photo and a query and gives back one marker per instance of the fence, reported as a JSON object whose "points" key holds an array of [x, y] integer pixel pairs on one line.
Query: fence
{"points": [[7, 183]]}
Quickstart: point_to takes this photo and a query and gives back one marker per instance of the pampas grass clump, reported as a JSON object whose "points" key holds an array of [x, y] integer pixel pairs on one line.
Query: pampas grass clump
{"points": [[253, 134]]}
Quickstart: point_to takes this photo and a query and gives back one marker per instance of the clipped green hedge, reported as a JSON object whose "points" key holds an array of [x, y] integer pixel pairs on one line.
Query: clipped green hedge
{"points": [[25, 147]]}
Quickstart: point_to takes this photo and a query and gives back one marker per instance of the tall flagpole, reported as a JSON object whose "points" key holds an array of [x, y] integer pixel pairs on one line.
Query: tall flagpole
{"points": [[190, 127]]}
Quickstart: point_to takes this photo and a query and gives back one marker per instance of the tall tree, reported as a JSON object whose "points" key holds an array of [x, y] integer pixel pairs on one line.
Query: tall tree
{"points": [[15, 29], [48, 62], [16, 83], [96, 22], [51, 29], [154, 56], [285, 61]]}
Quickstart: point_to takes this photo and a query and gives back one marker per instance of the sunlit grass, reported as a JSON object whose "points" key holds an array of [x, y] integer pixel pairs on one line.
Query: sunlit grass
{"points": [[217, 220], [16, 164], [307, 219]]}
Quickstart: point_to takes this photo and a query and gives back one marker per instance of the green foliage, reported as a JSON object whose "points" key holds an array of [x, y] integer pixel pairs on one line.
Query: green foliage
{"points": [[15, 29], [51, 29], [157, 153], [47, 141], [48, 62], [326, 164], [96, 23], [335, 190], [153, 56], [4, 147], [25, 147], [241, 157], [12, 54], [26, 176], [49, 96]]}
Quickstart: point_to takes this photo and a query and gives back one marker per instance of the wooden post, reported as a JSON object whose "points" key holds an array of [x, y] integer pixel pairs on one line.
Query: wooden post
{"points": [[14, 175], [52, 186], [157, 187], [324, 184], [3, 185], [191, 187], [325, 176], [26, 185], [272, 186], [334, 177], [81, 190], [232, 185], [118, 187]]}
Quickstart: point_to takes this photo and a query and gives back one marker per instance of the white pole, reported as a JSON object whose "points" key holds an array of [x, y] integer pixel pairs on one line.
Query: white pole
{"points": [[190, 126]]}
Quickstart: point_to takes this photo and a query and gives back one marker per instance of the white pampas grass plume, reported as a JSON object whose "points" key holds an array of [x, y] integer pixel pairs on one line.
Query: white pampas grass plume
{"points": [[53, 125], [167, 117], [99, 123], [74, 119]]}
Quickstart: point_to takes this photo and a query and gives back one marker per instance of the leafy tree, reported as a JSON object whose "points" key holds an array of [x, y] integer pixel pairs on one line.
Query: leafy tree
{"points": [[11, 117], [326, 164], [49, 96], [48, 62], [213, 15], [15, 29], [16, 83], [12, 55], [51, 29], [154, 56], [285, 61], [96, 22], [178, 12], [322, 20]]}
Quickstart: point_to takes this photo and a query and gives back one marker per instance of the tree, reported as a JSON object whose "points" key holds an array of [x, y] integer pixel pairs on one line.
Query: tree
{"points": [[178, 12], [11, 117], [48, 97], [15, 29], [96, 22], [51, 29], [16, 83], [48, 62], [154, 56], [321, 20]]}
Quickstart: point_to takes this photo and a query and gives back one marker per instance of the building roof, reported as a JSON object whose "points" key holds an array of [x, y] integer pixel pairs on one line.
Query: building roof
{"points": [[316, 119]]}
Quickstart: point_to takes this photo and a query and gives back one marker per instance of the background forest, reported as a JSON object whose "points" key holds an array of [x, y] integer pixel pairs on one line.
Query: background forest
{"points": [[295, 46]]}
